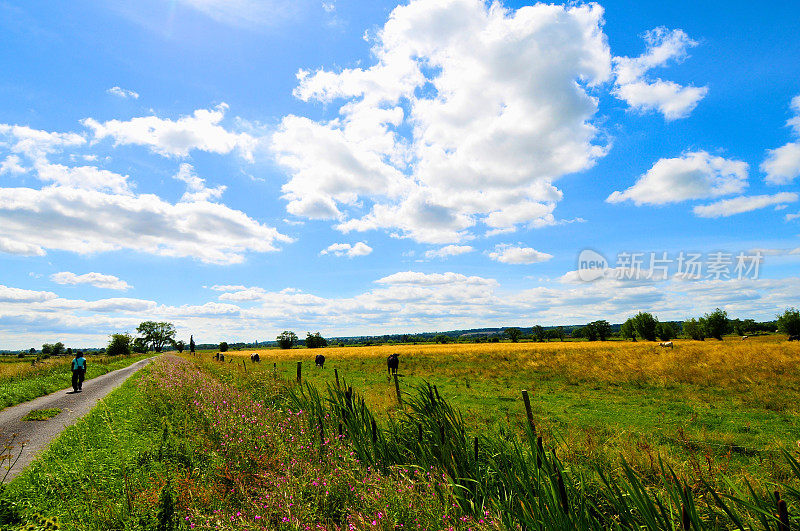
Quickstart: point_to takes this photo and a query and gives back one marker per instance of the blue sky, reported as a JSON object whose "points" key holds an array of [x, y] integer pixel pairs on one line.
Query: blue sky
{"points": [[244, 167]]}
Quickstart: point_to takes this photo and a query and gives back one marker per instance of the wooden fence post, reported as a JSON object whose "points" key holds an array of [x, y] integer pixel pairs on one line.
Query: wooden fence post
{"points": [[528, 411], [244, 367], [397, 390], [299, 371], [476, 451], [783, 516]]}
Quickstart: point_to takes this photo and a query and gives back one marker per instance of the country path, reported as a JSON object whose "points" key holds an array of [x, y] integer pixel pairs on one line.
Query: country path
{"points": [[37, 435]]}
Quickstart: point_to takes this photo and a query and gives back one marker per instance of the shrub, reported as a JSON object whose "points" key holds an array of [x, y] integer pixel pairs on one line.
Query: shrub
{"points": [[645, 325], [223, 347], [120, 345], [715, 323], [287, 339], [694, 330], [789, 322]]}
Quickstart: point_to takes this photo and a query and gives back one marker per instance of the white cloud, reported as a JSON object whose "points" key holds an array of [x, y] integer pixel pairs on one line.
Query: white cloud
{"points": [[434, 279], [82, 177], [510, 254], [11, 165], [176, 138], [696, 175], [448, 250], [196, 189], [97, 280], [87, 221], [494, 120], [738, 205], [345, 249], [8, 245], [669, 98], [329, 7], [243, 295], [782, 165], [123, 93], [227, 287], [35, 143], [17, 295]]}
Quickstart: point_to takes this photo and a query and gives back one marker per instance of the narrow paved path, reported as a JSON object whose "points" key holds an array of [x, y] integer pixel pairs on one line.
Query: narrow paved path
{"points": [[37, 435]]}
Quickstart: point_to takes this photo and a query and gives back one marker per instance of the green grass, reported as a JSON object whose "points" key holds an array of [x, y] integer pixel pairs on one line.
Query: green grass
{"points": [[15, 389], [42, 414], [107, 471], [722, 412]]}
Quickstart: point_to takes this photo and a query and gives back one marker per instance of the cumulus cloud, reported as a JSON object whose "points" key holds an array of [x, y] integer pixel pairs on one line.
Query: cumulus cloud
{"points": [[696, 175], [345, 249], [497, 107], [17, 295], [739, 205], [669, 98], [35, 143], [196, 189], [10, 246], [434, 279], [243, 295], [448, 250], [510, 254], [87, 221], [123, 93], [782, 165], [176, 138], [97, 280], [82, 177], [11, 165]]}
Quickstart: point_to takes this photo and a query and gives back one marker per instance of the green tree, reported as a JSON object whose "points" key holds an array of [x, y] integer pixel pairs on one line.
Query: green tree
{"points": [[645, 325], [513, 334], [120, 345], [589, 332], [716, 323], [602, 329], [32, 351], [287, 339], [558, 333], [538, 333], [156, 335], [139, 346], [789, 322], [315, 340], [665, 331], [191, 344], [628, 330], [180, 346], [223, 347], [693, 329]]}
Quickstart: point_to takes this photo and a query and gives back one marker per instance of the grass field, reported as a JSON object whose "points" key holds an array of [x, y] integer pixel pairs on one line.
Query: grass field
{"points": [[708, 408], [234, 445], [21, 380]]}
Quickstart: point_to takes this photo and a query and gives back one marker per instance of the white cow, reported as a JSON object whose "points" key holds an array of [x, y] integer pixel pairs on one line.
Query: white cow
{"points": [[666, 344], [744, 337]]}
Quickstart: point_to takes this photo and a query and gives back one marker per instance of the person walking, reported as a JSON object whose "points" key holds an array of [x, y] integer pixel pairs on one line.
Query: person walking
{"points": [[78, 371]]}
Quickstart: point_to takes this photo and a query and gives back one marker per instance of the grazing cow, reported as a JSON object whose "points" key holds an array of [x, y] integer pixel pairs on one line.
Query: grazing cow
{"points": [[744, 337], [221, 356], [254, 357], [794, 338], [216, 356], [391, 364], [320, 361], [666, 344]]}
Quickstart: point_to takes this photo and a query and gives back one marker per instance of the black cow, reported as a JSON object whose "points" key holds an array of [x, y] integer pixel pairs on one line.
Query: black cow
{"points": [[794, 338], [391, 364], [254, 357], [320, 361], [221, 356]]}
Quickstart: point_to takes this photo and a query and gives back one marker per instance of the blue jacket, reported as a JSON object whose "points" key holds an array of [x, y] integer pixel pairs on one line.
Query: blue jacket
{"points": [[79, 364]]}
